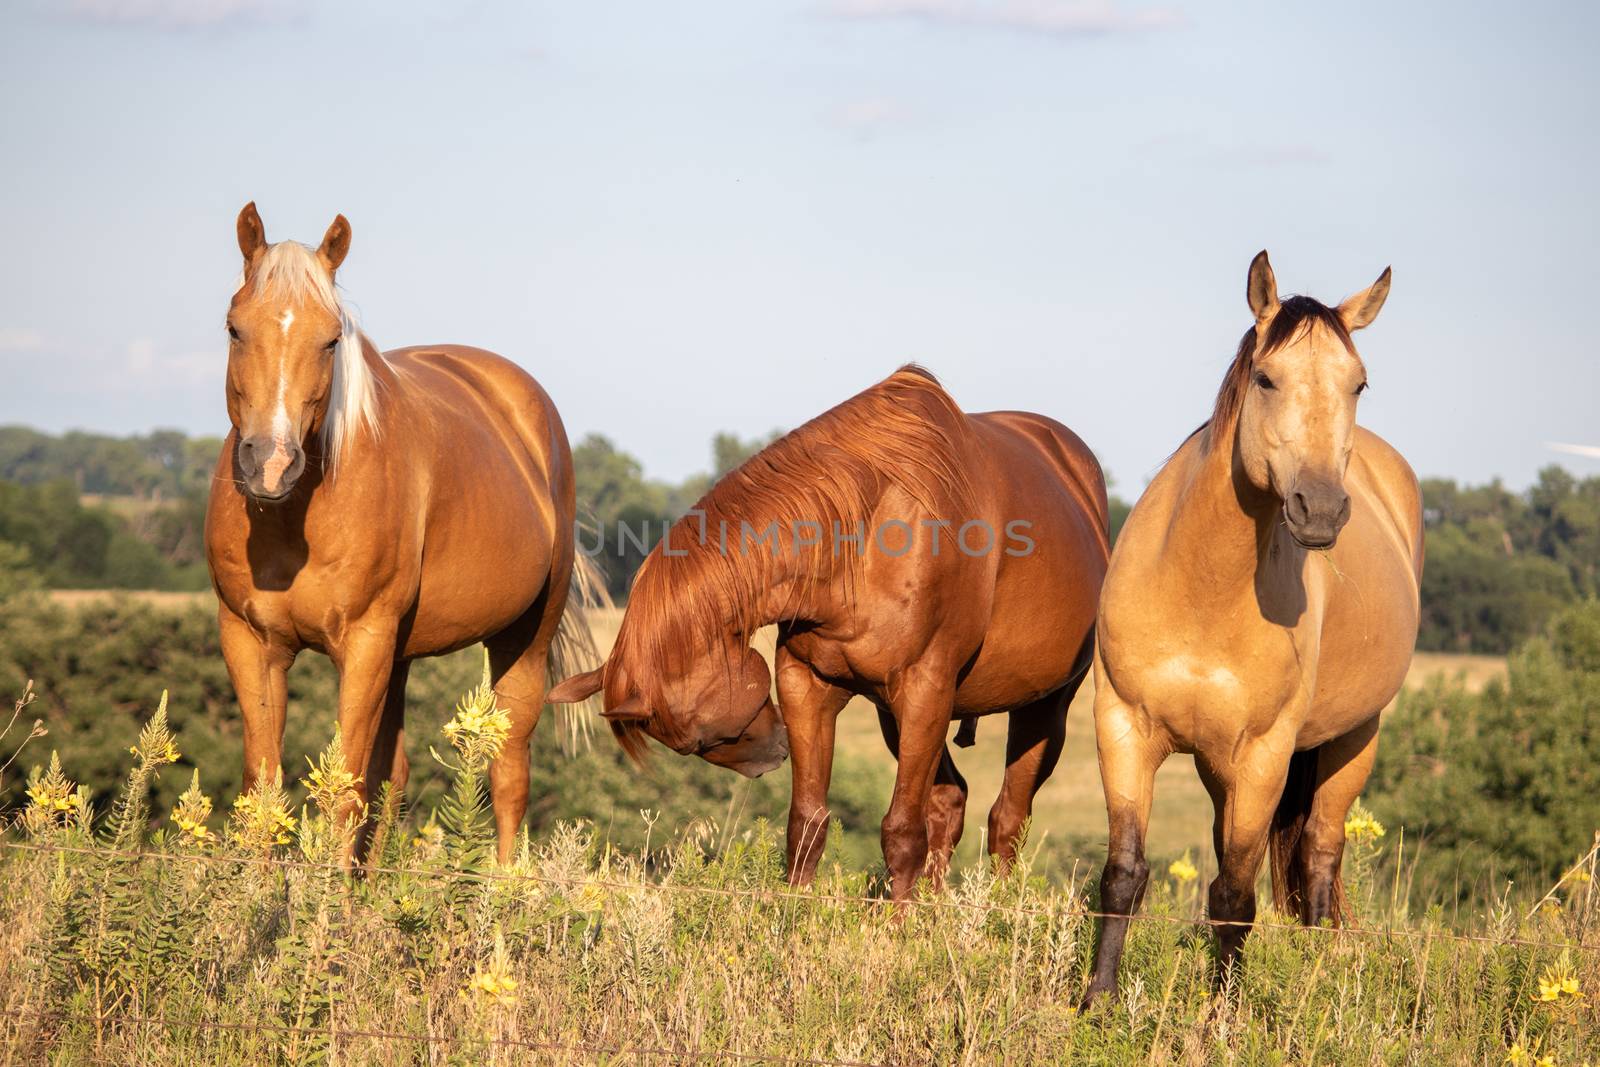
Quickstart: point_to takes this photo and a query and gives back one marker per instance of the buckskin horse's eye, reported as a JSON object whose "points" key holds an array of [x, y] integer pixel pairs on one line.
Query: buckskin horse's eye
{"points": [[1361, 388], [1263, 381]]}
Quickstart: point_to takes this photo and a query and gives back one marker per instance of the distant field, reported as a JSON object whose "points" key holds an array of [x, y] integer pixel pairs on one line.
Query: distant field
{"points": [[1071, 806]]}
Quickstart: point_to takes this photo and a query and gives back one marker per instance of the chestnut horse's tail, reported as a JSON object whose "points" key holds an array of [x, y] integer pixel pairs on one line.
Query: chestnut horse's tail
{"points": [[574, 649], [1288, 825]]}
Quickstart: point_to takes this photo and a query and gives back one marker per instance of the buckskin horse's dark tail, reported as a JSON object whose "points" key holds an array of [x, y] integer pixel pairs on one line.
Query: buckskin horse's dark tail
{"points": [[1288, 826]]}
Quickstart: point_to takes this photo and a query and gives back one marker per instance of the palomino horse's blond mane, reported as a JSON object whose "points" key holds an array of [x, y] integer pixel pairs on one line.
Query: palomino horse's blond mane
{"points": [[290, 271]]}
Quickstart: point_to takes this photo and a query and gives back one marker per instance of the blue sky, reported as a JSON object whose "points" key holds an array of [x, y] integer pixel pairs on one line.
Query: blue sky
{"points": [[686, 217]]}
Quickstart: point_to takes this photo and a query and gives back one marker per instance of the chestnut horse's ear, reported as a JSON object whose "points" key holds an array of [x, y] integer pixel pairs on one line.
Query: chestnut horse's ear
{"points": [[1262, 289], [252, 235], [335, 243], [1362, 308], [630, 710], [573, 690]]}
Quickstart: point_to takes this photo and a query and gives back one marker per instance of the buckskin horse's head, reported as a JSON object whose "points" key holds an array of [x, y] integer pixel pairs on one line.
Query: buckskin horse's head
{"points": [[1297, 409], [713, 701], [294, 357]]}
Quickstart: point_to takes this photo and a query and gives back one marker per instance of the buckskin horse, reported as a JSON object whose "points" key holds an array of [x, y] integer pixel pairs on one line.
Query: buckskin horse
{"points": [[378, 507], [1260, 610], [943, 565]]}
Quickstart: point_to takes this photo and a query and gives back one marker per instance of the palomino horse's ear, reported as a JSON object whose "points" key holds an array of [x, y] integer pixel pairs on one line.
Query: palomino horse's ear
{"points": [[1362, 308], [1262, 289], [252, 235], [577, 688], [335, 243], [630, 710]]}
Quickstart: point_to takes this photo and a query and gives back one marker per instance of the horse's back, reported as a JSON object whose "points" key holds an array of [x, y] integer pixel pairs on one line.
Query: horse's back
{"points": [[1024, 440]]}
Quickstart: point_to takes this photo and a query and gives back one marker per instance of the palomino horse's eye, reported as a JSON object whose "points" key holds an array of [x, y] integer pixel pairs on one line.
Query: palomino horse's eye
{"points": [[233, 334], [1263, 381], [331, 345]]}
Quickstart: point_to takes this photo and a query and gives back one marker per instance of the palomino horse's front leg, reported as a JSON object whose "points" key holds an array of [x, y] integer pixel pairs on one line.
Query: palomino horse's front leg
{"points": [[365, 662], [810, 708], [259, 670], [921, 708], [1129, 758]]}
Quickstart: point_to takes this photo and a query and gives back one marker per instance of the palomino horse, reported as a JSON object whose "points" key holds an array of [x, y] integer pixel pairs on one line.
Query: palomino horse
{"points": [[379, 507], [1260, 611], [942, 565]]}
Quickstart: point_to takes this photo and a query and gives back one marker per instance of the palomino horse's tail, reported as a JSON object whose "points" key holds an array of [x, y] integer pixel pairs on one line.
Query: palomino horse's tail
{"points": [[574, 649], [1288, 826]]}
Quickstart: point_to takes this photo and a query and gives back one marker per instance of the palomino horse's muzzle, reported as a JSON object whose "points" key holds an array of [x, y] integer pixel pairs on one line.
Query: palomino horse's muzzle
{"points": [[270, 466]]}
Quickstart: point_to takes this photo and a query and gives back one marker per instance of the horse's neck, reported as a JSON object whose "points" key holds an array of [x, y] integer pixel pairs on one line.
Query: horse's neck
{"points": [[1219, 528]]}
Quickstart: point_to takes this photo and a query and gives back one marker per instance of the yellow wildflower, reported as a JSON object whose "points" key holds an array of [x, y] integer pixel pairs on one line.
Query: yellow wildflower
{"points": [[479, 727], [1558, 982], [1518, 1056], [1361, 826], [1183, 869]]}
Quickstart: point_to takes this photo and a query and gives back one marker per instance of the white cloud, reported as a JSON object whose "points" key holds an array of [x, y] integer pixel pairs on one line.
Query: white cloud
{"points": [[1058, 18], [17, 339], [866, 117], [183, 14]]}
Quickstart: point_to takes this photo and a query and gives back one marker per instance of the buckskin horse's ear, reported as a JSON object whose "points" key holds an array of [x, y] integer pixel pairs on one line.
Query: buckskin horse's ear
{"points": [[252, 235], [1262, 289], [335, 243], [630, 710], [572, 690], [1362, 308]]}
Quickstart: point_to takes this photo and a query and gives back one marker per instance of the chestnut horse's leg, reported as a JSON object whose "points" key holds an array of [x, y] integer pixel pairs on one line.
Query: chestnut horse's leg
{"points": [[1253, 785], [810, 708], [259, 670], [1343, 765], [1129, 758], [947, 803], [519, 664], [921, 709], [1034, 739]]}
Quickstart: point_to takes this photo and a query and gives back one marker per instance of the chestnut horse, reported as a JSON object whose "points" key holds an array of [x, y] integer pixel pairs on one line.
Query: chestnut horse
{"points": [[1260, 611], [943, 565], [378, 507]]}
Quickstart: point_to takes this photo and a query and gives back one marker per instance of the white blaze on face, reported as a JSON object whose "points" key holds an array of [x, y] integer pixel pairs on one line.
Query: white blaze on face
{"points": [[272, 470]]}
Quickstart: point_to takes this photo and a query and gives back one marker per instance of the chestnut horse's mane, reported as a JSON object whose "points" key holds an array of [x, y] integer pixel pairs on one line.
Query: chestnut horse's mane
{"points": [[904, 431], [1296, 315], [290, 270]]}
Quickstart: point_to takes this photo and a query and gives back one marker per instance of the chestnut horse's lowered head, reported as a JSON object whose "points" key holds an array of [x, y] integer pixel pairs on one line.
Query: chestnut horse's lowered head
{"points": [[700, 691], [298, 379], [1292, 392]]}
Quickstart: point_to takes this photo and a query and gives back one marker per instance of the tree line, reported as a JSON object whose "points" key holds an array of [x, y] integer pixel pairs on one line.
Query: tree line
{"points": [[83, 510]]}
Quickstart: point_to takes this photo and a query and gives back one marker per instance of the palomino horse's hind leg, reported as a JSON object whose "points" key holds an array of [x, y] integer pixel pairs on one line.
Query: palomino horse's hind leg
{"points": [[810, 709], [1343, 765], [1129, 758], [519, 666], [1035, 736], [947, 803]]}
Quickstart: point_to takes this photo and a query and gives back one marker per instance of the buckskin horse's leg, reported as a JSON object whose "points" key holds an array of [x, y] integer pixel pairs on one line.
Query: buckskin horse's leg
{"points": [[1253, 784], [1343, 765], [947, 802], [1129, 757], [810, 708], [365, 661], [921, 704], [1034, 739], [259, 670]]}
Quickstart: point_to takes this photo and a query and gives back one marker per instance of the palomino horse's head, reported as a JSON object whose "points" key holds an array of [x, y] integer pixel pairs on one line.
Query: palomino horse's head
{"points": [[715, 702], [295, 366], [1297, 410]]}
